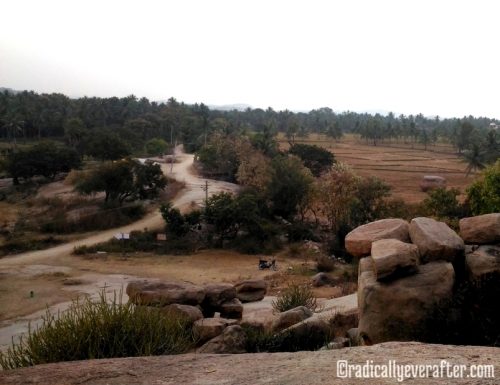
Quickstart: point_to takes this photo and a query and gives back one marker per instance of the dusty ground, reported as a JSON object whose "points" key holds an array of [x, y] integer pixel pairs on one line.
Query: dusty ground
{"points": [[56, 277], [263, 368], [397, 163]]}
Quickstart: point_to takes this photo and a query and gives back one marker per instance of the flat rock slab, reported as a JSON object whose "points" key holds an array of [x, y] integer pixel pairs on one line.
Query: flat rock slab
{"points": [[435, 240], [481, 229], [392, 258], [359, 241], [251, 290], [312, 368], [151, 293]]}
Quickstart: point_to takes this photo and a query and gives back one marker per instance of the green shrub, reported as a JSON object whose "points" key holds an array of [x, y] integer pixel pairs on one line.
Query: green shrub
{"points": [[295, 295], [99, 329], [483, 195]]}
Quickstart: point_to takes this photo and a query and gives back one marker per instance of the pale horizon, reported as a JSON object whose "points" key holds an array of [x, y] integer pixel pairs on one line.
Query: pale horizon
{"points": [[434, 58]]}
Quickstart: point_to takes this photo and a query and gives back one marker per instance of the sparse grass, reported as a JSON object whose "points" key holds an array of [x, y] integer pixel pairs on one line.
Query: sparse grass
{"points": [[295, 295], [100, 329]]}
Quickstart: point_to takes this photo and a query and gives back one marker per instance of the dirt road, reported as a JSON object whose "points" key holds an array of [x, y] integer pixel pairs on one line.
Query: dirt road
{"points": [[194, 192]]}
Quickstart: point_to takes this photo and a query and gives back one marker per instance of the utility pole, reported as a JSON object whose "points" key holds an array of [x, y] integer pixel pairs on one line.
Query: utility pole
{"points": [[206, 192]]}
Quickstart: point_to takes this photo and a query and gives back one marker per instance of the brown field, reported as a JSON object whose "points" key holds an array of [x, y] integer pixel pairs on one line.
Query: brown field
{"points": [[401, 165]]}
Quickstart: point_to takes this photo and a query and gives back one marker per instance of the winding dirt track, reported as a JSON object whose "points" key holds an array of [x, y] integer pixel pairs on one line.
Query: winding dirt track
{"points": [[193, 192]]}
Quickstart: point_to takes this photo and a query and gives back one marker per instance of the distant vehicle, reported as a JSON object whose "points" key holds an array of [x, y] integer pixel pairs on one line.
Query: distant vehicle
{"points": [[263, 264]]}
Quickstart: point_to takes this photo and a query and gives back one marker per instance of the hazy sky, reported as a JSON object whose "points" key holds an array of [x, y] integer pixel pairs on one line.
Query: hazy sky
{"points": [[435, 57]]}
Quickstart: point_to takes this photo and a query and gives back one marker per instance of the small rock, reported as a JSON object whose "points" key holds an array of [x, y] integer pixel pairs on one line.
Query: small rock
{"points": [[321, 279], [482, 229], [231, 341], [435, 240], [208, 328], [359, 241], [291, 317], [353, 335], [191, 313], [345, 342], [251, 290], [393, 258], [215, 296], [432, 182], [231, 309]]}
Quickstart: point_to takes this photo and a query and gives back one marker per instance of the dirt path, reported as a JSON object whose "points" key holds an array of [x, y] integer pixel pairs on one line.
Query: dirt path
{"points": [[194, 192]]}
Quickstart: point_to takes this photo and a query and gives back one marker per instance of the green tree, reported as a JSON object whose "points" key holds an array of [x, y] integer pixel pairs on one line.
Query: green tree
{"points": [[290, 186], [43, 159], [74, 131], [176, 224], [315, 158], [483, 195], [121, 180], [106, 145], [156, 147], [443, 203]]}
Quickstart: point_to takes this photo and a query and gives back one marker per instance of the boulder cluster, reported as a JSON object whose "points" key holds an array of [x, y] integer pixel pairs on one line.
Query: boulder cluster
{"points": [[408, 270], [216, 333]]}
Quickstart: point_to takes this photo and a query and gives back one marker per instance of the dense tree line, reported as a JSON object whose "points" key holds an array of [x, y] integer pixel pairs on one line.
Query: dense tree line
{"points": [[31, 115]]}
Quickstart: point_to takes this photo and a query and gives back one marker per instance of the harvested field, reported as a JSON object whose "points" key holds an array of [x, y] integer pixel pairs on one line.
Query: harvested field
{"points": [[401, 165]]}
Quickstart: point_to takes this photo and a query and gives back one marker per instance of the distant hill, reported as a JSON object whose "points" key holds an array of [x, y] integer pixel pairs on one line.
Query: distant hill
{"points": [[230, 107], [9, 90]]}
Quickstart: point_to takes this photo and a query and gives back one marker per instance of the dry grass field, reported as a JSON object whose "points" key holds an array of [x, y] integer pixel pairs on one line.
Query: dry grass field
{"points": [[401, 165]]}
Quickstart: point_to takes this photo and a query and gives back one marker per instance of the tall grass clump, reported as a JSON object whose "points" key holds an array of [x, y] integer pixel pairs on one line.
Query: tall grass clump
{"points": [[295, 295], [99, 329]]}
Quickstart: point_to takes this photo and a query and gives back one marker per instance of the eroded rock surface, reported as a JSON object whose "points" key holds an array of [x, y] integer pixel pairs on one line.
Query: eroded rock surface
{"points": [[481, 229]]}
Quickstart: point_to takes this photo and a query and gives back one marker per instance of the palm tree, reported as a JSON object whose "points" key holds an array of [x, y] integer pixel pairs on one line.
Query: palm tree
{"points": [[475, 158], [11, 128]]}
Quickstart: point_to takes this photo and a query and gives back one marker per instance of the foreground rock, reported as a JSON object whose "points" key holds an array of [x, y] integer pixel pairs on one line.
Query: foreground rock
{"points": [[207, 328], [393, 258], [359, 241], [231, 309], [435, 240], [397, 310], [483, 262], [231, 341], [312, 368], [251, 290], [481, 229], [215, 296], [150, 293], [432, 182]]}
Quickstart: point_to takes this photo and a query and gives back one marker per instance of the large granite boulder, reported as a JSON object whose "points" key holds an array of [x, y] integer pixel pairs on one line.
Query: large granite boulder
{"points": [[190, 313], [482, 229], [432, 182], [315, 330], [231, 341], [207, 328], [393, 258], [484, 261], [291, 317], [251, 290], [435, 240], [151, 293], [397, 310], [359, 241]]}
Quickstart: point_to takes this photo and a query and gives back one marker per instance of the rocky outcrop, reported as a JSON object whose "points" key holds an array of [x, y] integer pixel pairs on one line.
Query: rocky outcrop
{"points": [[291, 317], [251, 290], [312, 368], [396, 310], [432, 182], [359, 241], [207, 328], [150, 293], [483, 261], [392, 258], [435, 240], [190, 313], [482, 229], [231, 341]]}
